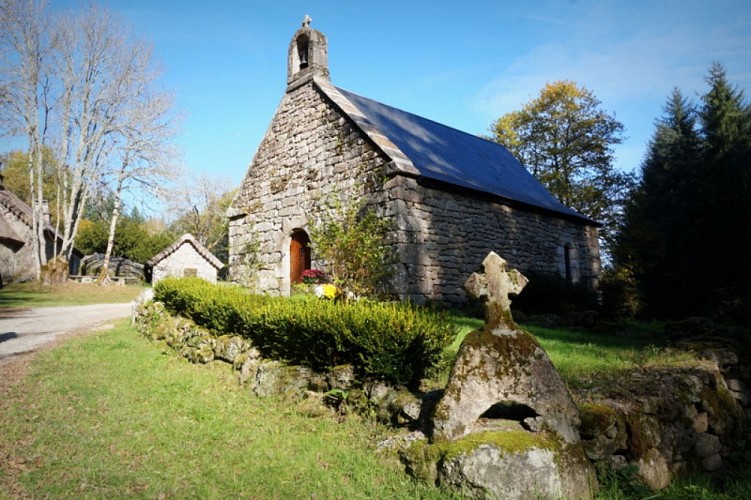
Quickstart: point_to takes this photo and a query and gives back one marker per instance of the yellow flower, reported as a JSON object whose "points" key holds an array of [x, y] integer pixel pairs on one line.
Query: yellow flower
{"points": [[330, 291]]}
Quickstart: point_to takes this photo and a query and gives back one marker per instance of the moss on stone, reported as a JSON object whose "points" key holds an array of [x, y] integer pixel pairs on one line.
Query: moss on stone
{"points": [[422, 457], [240, 360], [421, 461], [597, 418], [517, 349], [643, 434], [722, 407], [506, 441]]}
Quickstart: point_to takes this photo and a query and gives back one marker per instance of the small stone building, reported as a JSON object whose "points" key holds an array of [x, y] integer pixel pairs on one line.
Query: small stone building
{"points": [[185, 257], [17, 259], [452, 197]]}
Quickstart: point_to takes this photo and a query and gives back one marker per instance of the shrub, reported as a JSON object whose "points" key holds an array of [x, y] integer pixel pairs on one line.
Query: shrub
{"points": [[399, 343], [620, 296], [349, 239]]}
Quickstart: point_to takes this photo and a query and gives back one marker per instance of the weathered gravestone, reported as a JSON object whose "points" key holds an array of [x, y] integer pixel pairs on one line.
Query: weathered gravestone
{"points": [[507, 409], [501, 372]]}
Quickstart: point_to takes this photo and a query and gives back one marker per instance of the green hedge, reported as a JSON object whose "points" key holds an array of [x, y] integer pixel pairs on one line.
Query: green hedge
{"points": [[395, 342]]}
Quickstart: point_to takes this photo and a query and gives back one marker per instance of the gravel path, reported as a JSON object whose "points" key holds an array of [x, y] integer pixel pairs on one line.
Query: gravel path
{"points": [[24, 330]]}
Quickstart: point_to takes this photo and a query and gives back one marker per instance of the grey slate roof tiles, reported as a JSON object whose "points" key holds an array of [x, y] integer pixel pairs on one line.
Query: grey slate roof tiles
{"points": [[448, 155]]}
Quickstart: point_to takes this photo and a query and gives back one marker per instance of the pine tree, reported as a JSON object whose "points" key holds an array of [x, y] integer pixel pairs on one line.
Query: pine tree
{"points": [[683, 237], [724, 194], [652, 235]]}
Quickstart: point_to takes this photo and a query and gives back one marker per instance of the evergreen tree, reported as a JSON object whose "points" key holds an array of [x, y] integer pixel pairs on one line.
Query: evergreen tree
{"points": [[683, 236], [653, 235], [723, 194]]}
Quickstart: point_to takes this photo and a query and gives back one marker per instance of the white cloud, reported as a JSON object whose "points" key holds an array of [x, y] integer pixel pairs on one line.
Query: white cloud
{"points": [[631, 60], [638, 59]]}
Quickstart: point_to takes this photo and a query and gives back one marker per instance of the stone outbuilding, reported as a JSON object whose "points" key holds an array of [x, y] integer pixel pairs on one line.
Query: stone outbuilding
{"points": [[17, 259], [452, 197], [185, 257]]}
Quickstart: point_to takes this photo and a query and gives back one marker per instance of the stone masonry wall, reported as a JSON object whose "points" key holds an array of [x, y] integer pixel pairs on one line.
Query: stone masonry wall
{"points": [[18, 265], [443, 237], [185, 257], [311, 151]]}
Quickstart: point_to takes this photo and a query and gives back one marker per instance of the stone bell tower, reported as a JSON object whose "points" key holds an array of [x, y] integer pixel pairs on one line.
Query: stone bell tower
{"points": [[307, 56]]}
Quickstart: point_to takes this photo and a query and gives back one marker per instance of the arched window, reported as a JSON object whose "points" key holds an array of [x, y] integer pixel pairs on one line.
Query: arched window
{"points": [[567, 262], [299, 255]]}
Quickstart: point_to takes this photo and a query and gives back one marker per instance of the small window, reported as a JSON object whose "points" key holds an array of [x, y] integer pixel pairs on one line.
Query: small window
{"points": [[190, 272], [567, 262]]}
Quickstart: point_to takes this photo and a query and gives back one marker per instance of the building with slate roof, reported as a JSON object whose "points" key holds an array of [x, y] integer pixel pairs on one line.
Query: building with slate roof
{"points": [[185, 257], [452, 196], [17, 260]]}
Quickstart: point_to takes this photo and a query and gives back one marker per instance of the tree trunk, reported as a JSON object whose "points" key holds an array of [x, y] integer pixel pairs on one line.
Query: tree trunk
{"points": [[104, 278]]}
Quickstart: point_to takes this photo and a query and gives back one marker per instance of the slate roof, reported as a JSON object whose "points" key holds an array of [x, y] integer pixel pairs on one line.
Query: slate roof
{"points": [[186, 238], [434, 151]]}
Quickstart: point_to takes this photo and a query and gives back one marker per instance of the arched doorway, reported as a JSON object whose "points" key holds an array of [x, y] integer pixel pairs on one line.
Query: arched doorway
{"points": [[299, 255]]}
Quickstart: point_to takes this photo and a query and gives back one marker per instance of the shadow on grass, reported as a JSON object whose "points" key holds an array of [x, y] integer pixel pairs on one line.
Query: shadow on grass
{"points": [[25, 295], [13, 296]]}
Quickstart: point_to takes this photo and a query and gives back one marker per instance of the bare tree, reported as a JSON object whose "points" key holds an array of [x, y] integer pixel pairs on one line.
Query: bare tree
{"points": [[79, 85], [26, 44], [144, 159], [200, 209]]}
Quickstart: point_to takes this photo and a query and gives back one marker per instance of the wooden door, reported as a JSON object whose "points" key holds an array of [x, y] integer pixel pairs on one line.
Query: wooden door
{"points": [[299, 256]]}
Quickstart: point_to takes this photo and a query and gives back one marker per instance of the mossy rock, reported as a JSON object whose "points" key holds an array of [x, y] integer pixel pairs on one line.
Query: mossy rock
{"points": [[504, 464], [603, 430], [644, 432], [229, 347], [202, 354]]}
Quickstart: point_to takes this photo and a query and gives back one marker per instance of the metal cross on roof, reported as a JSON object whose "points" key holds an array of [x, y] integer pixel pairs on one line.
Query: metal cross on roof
{"points": [[306, 21], [494, 286]]}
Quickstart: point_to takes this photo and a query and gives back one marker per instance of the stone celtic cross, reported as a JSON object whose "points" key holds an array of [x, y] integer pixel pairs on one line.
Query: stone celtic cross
{"points": [[494, 286], [306, 21]]}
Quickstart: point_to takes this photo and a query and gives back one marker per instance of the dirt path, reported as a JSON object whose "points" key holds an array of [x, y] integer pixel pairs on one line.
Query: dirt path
{"points": [[24, 330]]}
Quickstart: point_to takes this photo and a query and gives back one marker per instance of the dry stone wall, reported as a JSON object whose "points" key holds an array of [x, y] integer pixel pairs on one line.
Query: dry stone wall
{"points": [[312, 150]]}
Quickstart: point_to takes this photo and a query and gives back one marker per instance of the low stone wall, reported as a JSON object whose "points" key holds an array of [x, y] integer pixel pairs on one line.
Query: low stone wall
{"points": [[664, 421], [335, 389]]}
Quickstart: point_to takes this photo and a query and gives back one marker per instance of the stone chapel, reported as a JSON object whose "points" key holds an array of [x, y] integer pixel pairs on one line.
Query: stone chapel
{"points": [[452, 197]]}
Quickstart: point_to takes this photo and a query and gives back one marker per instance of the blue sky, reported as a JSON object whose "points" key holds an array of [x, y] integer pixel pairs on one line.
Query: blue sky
{"points": [[461, 63]]}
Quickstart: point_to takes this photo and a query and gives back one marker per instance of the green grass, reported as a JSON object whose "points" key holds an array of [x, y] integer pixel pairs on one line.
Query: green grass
{"points": [[109, 415], [585, 358], [69, 294]]}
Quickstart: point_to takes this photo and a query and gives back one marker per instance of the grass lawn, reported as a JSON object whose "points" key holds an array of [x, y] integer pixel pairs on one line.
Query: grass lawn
{"points": [[108, 415], [584, 358], [68, 294]]}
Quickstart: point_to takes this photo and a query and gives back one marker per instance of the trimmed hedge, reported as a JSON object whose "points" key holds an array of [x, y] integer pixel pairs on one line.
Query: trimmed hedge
{"points": [[396, 342]]}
